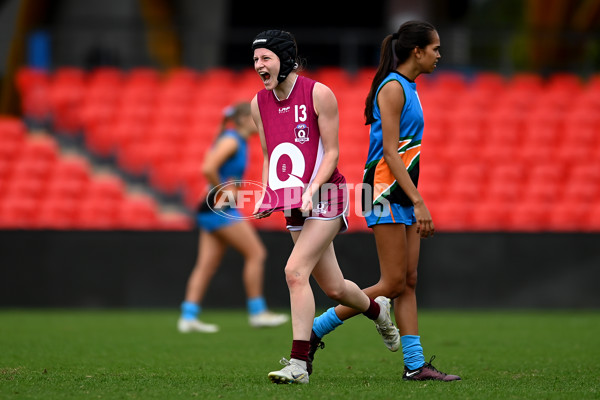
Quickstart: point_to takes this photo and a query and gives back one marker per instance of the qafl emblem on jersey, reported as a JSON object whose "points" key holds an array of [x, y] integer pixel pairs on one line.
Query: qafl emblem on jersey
{"points": [[301, 133], [321, 207]]}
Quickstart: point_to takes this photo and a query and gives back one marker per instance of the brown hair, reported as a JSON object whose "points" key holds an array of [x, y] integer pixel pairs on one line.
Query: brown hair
{"points": [[234, 114]]}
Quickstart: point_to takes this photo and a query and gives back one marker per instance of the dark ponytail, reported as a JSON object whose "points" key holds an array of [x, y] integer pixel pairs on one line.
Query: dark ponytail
{"points": [[395, 50]]}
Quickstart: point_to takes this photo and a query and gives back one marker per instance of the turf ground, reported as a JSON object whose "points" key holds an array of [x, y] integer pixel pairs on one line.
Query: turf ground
{"points": [[67, 354]]}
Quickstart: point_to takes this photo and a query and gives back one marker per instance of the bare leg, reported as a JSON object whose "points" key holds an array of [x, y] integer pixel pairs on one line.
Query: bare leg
{"points": [[405, 305], [331, 280], [313, 245], [242, 237], [392, 252], [210, 253]]}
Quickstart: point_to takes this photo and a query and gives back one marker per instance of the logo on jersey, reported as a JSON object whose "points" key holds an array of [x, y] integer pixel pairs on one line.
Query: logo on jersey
{"points": [[283, 110], [301, 133], [321, 207]]}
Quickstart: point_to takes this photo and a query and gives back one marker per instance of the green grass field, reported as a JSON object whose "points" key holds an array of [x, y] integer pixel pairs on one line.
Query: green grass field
{"points": [[68, 354]]}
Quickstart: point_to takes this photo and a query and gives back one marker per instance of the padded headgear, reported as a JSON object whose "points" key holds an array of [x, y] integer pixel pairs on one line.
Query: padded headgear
{"points": [[283, 45]]}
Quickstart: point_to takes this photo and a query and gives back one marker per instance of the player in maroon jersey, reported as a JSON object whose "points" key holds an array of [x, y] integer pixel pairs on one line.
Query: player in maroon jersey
{"points": [[298, 123]]}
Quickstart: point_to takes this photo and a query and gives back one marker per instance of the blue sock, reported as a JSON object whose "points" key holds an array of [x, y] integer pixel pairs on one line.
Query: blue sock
{"points": [[413, 351], [326, 322], [256, 305], [190, 310]]}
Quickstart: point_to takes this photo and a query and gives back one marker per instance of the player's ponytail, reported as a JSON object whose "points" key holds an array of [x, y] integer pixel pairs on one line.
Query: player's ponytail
{"points": [[234, 114], [228, 113]]}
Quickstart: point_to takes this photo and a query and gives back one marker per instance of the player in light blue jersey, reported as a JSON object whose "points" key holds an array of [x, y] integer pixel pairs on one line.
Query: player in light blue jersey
{"points": [[219, 228], [393, 207]]}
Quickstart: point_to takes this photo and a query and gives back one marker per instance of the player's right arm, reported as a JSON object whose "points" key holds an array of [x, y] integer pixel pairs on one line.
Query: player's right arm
{"points": [[265, 169]]}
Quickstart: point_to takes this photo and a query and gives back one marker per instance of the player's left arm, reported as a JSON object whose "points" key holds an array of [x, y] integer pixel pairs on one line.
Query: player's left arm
{"points": [[326, 108]]}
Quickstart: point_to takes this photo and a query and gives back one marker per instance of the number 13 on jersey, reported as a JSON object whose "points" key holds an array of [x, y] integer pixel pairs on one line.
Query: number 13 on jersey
{"points": [[300, 112]]}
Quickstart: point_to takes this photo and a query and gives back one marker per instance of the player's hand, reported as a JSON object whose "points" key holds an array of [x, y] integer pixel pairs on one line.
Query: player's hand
{"points": [[263, 214], [424, 221], [226, 197], [307, 203], [260, 214]]}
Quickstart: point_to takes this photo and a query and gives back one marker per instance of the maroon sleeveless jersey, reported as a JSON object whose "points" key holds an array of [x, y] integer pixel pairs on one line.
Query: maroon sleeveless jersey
{"points": [[293, 144]]}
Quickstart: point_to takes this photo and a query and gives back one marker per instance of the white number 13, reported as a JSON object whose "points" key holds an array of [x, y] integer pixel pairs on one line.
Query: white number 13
{"points": [[300, 112]]}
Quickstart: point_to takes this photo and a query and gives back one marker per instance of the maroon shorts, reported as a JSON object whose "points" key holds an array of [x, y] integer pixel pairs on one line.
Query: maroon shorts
{"points": [[330, 203]]}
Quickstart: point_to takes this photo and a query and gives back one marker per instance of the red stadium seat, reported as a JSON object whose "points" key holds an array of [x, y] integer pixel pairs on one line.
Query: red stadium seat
{"points": [[565, 82], [505, 184], [99, 139], [106, 76], [489, 82], [364, 76], [175, 221], [134, 157], [450, 82], [336, 78], [503, 126], [11, 129], [56, 213], [73, 167], [66, 95], [34, 87], [17, 212], [542, 127], [40, 148], [9, 149], [581, 126], [547, 172], [139, 212], [69, 178], [30, 187], [28, 78], [182, 76], [528, 216], [568, 216], [107, 187], [94, 113], [526, 81], [490, 216], [451, 216], [544, 192], [466, 126], [64, 188], [168, 177], [477, 99], [96, 213], [591, 221], [143, 77], [6, 169], [218, 75], [581, 191]]}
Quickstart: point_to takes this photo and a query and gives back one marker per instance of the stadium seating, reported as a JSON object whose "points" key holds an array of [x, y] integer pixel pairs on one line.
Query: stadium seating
{"points": [[41, 187], [516, 153]]}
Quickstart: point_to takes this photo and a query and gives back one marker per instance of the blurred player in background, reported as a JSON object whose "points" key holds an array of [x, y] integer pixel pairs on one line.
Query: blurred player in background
{"points": [[394, 209], [226, 162], [297, 119]]}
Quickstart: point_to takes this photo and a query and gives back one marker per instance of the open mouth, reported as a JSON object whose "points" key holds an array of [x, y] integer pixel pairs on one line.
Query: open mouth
{"points": [[265, 76]]}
